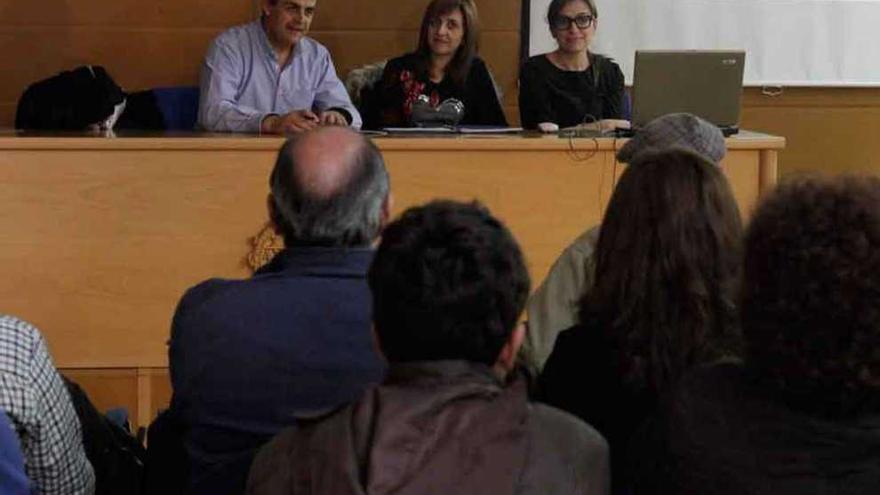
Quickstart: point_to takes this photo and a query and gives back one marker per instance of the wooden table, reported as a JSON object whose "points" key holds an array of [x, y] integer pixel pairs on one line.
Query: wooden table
{"points": [[99, 237]]}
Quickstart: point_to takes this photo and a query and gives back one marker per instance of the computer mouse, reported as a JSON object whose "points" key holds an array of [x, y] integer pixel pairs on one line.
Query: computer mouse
{"points": [[548, 127]]}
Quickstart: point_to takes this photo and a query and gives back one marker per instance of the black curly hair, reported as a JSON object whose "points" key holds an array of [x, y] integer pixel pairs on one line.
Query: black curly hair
{"points": [[811, 293], [448, 282]]}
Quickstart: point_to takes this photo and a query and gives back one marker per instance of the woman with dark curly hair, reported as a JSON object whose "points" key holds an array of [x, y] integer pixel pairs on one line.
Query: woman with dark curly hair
{"points": [[802, 415], [667, 263], [445, 65]]}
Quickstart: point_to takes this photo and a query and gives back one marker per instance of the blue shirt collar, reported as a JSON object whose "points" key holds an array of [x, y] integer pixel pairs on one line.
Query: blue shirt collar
{"points": [[263, 38], [321, 261]]}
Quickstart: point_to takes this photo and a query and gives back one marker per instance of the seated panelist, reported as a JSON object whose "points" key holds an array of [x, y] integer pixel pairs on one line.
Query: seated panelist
{"points": [[445, 65], [268, 77], [571, 86]]}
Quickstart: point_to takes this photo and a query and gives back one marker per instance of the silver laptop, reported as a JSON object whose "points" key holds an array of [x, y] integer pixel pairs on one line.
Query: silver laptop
{"points": [[704, 83]]}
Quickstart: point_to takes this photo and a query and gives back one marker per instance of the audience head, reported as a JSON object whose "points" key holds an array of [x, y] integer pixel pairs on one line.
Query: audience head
{"points": [[811, 293], [451, 27], [667, 264], [449, 283], [287, 21], [573, 23], [329, 188], [683, 130]]}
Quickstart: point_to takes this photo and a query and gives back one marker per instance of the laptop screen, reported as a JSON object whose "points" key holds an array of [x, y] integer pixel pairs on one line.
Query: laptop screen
{"points": [[704, 83]]}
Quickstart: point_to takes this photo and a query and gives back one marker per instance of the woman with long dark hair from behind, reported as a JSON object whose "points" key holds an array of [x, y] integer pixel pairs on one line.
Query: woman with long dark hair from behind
{"points": [[667, 265], [444, 65]]}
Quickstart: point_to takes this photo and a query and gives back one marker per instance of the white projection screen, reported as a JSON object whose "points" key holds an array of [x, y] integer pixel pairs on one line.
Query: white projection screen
{"points": [[787, 42]]}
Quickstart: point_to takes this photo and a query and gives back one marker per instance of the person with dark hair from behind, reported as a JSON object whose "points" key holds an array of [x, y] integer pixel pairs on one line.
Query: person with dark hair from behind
{"points": [[445, 65], [801, 415], [663, 302], [571, 85], [33, 395], [449, 283], [250, 357], [555, 305]]}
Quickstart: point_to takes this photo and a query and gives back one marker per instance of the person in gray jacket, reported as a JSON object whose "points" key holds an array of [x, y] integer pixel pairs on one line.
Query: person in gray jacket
{"points": [[555, 304], [449, 283]]}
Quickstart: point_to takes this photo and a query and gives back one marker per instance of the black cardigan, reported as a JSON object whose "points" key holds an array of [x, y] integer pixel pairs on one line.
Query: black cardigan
{"points": [[389, 104], [550, 94], [581, 377], [726, 433]]}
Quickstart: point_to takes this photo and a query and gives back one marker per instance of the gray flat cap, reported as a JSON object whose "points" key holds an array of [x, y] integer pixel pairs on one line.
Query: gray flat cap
{"points": [[676, 129]]}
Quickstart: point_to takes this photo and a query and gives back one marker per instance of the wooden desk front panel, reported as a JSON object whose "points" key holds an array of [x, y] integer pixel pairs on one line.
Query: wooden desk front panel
{"points": [[98, 246], [98, 242], [544, 197]]}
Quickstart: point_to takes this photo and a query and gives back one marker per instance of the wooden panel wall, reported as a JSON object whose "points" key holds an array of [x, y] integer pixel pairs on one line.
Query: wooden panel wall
{"points": [[149, 44], [143, 393], [142, 44], [828, 130]]}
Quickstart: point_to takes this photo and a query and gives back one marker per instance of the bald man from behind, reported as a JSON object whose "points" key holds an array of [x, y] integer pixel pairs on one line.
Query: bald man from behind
{"points": [[250, 357]]}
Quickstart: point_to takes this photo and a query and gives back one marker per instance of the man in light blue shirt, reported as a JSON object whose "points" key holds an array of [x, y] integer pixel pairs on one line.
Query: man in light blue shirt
{"points": [[268, 77]]}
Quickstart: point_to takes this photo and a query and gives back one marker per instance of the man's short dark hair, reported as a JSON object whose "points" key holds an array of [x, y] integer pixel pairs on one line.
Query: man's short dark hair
{"points": [[350, 217], [448, 282], [811, 293]]}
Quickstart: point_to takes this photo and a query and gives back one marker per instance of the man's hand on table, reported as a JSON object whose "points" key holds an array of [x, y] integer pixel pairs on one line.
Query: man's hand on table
{"points": [[300, 121]]}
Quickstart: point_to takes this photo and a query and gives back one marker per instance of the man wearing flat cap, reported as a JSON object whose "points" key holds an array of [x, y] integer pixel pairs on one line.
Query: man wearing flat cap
{"points": [[555, 304]]}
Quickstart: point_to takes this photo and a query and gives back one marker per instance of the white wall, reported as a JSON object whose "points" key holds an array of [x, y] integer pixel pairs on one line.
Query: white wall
{"points": [[787, 42]]}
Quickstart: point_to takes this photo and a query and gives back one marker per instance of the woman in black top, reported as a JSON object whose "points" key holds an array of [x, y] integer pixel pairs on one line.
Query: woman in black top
{"points": [[571, 85], [667, 262], [801, 414], [444, 66]]}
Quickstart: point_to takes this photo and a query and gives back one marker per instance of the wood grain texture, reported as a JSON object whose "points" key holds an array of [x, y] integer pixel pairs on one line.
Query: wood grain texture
{"points": [[99, 238], [125, 13], [142, 392], [398, 15], [160, 391], [108, 388], [144, 44], [105, 299]]}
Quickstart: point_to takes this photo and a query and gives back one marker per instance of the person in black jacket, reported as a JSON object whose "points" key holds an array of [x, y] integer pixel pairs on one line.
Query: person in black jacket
{"points": [[445, 65], [448, 283], [667, 262], [571, 85], [801, 415]]}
